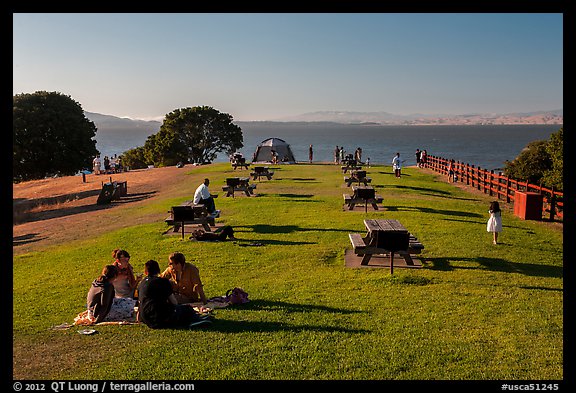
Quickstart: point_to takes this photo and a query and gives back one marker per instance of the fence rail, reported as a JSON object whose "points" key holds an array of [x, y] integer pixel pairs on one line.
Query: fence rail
{"points": [[500, 186]]}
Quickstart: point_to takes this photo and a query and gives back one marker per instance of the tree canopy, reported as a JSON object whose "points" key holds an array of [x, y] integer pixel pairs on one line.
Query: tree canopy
{"points": [[194, 134], [540, 162], [51, 135]]}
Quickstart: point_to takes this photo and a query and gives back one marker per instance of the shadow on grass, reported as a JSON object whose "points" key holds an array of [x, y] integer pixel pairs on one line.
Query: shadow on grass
{"points": [[230, 326], [268, 242], [306, 179], [25, 239], [435, 211], [498, 265], [430, 192], [266, 228]]}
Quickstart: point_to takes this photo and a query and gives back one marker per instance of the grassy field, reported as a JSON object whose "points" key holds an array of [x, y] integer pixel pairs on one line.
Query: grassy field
{"points": [[475, 311]]}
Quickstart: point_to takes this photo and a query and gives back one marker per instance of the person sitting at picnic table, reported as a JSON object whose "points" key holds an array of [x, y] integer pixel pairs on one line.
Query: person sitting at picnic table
{"points": [[185, 279], [202, 196], [219, 234], [158, 305]]}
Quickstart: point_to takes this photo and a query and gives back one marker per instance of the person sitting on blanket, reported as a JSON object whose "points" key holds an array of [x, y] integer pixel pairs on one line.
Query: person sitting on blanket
{"points": [[124, 285], [185, 279], [219, 234], [101, 294], [158, 305]]}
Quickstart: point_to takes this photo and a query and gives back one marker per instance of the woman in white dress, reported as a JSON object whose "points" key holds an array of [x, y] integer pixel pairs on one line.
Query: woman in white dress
{"points": [[494, 224]]}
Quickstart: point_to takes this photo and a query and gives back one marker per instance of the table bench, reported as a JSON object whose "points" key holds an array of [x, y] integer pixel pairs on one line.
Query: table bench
{"points": [[189, 213], [364, 195], [357, 176], [351, 168], [112, 190], [238, 184], [385, 237], [240, 162], [261, 171]]}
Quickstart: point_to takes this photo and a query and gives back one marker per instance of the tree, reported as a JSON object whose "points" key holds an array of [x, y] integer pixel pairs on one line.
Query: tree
{"points": [[193, 135], [531, 164], [555, 148], [51, 135]]}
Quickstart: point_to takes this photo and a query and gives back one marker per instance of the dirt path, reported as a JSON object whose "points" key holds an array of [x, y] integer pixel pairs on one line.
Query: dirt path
{"points": [[57, 210]]}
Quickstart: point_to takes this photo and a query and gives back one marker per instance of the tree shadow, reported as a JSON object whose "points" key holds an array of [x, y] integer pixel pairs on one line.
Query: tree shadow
{"points": [[22, 216], [304, 179], [270, 242], [266, 228], [498, 265], [231, 326], [435, 211], [25, 239]]}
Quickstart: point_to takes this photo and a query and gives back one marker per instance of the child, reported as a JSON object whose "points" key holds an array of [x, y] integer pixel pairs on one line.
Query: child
{"points": [[494, 224], [368, 162]]}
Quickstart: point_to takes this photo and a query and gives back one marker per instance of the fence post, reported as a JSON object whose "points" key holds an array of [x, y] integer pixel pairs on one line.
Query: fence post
{"points": [[490, 183], [552, 204]]}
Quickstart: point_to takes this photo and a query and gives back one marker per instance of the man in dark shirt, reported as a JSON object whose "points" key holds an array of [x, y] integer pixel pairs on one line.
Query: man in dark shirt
{"points": [[158, 307]]}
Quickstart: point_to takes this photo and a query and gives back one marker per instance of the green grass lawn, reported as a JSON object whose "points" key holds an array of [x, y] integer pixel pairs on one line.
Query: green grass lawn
{"points": [[474, 311]]}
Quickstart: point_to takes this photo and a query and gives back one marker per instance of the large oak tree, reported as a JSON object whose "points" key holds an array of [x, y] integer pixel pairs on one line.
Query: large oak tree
{"points": [[51, 136]]}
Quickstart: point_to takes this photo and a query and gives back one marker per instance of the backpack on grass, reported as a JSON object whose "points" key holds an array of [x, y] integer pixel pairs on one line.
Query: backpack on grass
{"points": [[237, 296]]}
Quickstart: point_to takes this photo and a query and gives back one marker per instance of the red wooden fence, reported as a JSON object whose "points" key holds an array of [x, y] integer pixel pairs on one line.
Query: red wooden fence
{"points": [[499, 185]]}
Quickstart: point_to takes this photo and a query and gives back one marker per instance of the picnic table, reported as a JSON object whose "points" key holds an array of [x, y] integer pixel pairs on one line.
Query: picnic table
{"points": [[385, 237], [261, 171], [362, 195], [190, 213], [238, 184], [350, 165], [112, 190], [239, 162], [357, 176]]}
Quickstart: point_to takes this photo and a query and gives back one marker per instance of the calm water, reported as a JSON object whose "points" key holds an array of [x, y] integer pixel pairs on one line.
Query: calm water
{"points": [[485, 146]]}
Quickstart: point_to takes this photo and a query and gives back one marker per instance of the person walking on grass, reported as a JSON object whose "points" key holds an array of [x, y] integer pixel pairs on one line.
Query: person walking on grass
{"points": [[494, 223]]}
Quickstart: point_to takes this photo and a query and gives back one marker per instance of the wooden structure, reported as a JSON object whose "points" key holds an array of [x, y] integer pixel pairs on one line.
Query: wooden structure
{"points": [[238, 184], [112, 190], [362, 195], [261, 171], [385, 237], [189, 213], [499, 186], [357, 176]]}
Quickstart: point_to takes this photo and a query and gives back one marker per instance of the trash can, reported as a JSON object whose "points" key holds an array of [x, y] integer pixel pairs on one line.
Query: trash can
{"points": [[528, 205]]}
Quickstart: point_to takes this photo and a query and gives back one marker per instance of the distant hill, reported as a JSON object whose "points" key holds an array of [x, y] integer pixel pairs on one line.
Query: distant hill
{"points": [[385, 118], [112, 124], [108, 124]]}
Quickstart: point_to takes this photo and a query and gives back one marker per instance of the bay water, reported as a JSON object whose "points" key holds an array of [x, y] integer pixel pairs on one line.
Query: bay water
{"points": [[486, 146]]}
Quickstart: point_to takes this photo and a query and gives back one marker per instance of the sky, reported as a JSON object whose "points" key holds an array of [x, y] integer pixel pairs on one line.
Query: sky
{"points": [[271, 66]]}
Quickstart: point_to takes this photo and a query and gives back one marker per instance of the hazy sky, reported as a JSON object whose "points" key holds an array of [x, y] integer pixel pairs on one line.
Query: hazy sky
{"points": [[269, 66]]}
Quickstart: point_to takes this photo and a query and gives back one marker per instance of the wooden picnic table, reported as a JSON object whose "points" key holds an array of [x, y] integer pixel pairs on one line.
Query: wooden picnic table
{"points": [[189, 213], [238, 184], [262, 171], [240, 162], [385, 237], [357, 176], [362, 195]]}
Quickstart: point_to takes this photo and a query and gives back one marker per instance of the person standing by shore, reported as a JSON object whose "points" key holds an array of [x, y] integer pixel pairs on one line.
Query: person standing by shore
{"points": [[418, 153], [397, 165], [310, 154], [337, 155]]}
